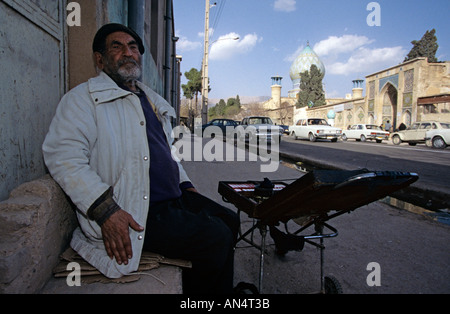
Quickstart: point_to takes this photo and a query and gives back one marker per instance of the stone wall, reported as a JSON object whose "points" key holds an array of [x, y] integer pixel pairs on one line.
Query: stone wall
{"points": [[36, 222]]}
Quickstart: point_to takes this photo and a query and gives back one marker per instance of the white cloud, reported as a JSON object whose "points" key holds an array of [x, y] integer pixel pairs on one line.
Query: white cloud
{"points": [[285, 5], [226, 47], [336, 45], [350, 54], [184, 44], [367, 60]]}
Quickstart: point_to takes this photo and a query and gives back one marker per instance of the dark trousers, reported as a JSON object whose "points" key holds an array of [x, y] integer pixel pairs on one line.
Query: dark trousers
{"points": [[198, 229]]}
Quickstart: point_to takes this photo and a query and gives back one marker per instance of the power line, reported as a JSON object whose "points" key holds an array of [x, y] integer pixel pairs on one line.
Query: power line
{"points": [[218, 15]]}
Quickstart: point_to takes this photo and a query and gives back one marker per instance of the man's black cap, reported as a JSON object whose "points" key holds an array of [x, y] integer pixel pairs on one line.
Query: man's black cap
{"points": [[105, 30]]}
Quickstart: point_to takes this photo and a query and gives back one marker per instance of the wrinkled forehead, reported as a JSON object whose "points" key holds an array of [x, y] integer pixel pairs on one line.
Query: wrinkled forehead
{"points": [[121, 37]]}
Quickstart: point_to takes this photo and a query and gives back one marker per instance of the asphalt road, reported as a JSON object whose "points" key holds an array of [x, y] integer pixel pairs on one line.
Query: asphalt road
{"points": [[411, 251]]}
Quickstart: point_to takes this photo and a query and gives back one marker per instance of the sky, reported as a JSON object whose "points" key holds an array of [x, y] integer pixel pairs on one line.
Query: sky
{"points": [[353, 38]]}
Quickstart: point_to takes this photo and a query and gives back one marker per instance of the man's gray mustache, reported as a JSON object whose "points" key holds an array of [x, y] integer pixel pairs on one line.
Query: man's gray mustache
{"points": [[124, 61]]}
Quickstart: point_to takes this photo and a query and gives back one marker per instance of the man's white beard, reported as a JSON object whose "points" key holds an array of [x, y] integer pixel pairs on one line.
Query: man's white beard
{"points": [[129, 72], [123, 71]]}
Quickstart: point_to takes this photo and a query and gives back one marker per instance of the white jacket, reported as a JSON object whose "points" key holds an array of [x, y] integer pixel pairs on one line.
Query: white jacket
{"points": [[98, 139]]}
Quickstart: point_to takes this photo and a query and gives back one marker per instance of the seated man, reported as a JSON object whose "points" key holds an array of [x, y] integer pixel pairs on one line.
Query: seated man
{"points": [[109, 148]]}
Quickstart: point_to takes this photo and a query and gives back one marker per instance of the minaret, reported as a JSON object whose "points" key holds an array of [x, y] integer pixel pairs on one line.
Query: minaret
{"points": [[276, 90], [357, 88]]}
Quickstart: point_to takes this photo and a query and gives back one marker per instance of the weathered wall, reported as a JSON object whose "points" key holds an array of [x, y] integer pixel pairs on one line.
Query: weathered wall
{"points": [[31, 85], [97, 13]]}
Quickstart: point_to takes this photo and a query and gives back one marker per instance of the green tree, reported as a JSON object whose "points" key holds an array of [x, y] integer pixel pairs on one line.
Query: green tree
{"points": [[231, 102], [220, 108], [212, 112], [425, 47], [194, 84], [311, 88], [231, 111], [191, 90], [238, 101]]}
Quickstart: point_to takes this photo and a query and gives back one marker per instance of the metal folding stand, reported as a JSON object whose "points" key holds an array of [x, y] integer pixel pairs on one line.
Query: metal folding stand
{"points": [[328, 284], [303, 202], [262, 248]]}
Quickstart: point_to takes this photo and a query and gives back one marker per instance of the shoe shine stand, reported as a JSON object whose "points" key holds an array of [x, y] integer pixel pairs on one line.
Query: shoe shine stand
{"points": [[306, 202]]}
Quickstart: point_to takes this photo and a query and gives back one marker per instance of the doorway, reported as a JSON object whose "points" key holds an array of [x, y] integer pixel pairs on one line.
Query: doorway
{"points": [[390, 96]]}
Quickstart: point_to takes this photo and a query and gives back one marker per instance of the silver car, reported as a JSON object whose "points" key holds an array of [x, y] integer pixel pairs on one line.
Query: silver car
{"points": [[438, 137], [415, 134]]}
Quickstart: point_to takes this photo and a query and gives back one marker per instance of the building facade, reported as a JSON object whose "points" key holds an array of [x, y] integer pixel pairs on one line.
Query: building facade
{"points": [[412, 91], [409, 92]]}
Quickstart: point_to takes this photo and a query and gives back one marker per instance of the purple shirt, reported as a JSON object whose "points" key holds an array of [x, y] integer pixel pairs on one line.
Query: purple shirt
{"points": [[165, 177]]}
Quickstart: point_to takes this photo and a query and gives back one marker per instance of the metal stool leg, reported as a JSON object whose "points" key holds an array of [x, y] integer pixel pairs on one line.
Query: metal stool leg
{"points": [[263, 230]]}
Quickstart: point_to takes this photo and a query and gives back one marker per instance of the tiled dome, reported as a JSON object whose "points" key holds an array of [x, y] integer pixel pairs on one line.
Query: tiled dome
{"points": [[303, 63]]}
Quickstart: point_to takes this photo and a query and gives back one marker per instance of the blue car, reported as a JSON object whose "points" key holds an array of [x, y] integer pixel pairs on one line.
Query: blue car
{"points": [[226, 126]]}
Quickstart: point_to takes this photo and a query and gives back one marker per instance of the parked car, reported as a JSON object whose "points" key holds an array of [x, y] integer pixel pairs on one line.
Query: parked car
{"points": [[285, 128], [226, 126], [313, 129], [363, 132], [438, 137], [415, 134], [258, 128]]}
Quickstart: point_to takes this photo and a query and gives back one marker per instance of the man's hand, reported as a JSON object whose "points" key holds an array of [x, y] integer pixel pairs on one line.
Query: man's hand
{"points": [[116, 236]]}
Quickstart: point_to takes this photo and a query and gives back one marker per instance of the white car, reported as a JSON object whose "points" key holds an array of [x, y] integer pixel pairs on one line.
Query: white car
{"points": [[438, 137], [313, 129], [258, 128], [415, 134], [363, 132]]}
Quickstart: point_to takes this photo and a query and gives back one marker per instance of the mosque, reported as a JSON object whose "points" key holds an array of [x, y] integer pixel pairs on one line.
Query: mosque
{"points": [[415, 90]]}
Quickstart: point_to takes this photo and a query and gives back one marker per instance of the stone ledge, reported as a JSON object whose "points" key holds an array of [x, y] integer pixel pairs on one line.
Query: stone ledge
{"points": [[165, 279], [36, 222]]}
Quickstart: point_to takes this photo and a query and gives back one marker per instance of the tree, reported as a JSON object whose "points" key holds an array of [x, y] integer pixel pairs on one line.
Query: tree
{"points": [[191, 90], [220, 108], [238, 101], [194, 84], [229, 109], [311, 88], [425, 47]]}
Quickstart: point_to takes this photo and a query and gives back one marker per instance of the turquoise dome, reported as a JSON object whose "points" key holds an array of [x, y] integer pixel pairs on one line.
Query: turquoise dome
{"points": [[303, 63], [331, 114]]}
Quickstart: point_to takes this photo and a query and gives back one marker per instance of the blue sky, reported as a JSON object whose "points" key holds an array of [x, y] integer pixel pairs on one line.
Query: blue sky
{"points": [[272, 33]]}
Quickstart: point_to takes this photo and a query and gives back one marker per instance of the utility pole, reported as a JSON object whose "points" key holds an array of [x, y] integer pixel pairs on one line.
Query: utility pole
{"points": [[205, 78]]}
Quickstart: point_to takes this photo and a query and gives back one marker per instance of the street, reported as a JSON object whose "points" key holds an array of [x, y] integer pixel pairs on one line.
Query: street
{"points": [[411, 250], [418, 153]]}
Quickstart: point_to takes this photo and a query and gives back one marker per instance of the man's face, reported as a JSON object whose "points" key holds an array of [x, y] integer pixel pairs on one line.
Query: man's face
{"points": [[122, 59]]}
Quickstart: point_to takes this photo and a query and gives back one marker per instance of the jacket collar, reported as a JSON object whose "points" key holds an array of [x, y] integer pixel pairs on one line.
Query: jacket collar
{"points": [[102, 88]]}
